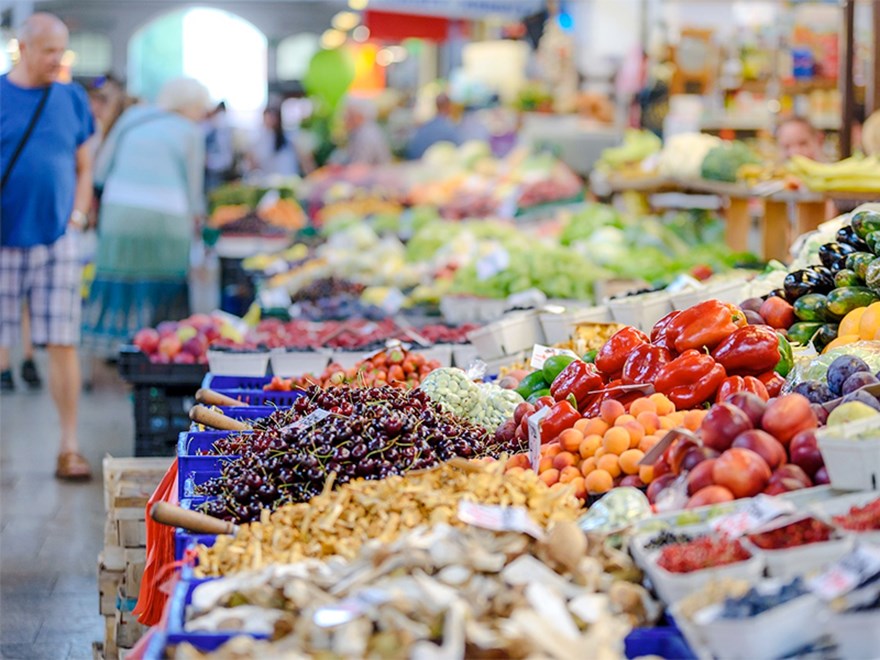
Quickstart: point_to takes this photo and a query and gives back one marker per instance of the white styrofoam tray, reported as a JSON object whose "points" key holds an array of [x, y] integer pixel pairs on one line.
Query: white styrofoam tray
{"points": [[641, 311], [440, 352], [852, 464], [289, 364], [228, 363], [788, 563], [560, 327], [857, 633], [840, 505]]}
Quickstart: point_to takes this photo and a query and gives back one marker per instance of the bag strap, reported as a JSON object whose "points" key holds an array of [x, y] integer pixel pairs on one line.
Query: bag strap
{"points": [[27, 134]]}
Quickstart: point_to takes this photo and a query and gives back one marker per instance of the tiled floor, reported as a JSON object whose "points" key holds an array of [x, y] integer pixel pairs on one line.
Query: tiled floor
{"points": [[51, 532]]}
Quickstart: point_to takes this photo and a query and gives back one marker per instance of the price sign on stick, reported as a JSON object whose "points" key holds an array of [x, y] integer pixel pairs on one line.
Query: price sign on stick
{"points": [[541, 353], [852, 570], [308, 421], [499, 518], [535, 437], [756, 513]]}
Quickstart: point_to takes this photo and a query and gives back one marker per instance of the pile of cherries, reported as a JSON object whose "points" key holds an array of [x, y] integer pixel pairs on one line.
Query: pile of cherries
{"points": [[370, 433]]}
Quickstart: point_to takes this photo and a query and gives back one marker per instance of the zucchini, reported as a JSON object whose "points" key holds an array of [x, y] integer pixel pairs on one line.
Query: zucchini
{"points": [[803, 331], [811, 307], [872, 277], [864, 222], [847, 277], [873, 241], [845, 299], [859, 261]]}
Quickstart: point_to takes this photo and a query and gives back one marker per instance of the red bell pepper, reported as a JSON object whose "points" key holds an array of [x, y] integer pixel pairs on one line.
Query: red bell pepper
{"points": [[644, 363], [577, 380], [690, 380], [562, 416], [773, 382], [749, 351], [733, 384], [704, 325], [613, 355], [660, 332]]}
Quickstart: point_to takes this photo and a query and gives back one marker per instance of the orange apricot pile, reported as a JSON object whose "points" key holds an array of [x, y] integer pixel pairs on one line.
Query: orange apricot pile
{"points": [[597, 454]]}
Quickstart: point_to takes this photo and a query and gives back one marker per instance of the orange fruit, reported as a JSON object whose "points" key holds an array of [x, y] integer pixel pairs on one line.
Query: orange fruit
{"points": [[552, 449], [588, 465], [636, 433], [518, 460], [580, 487], [623, 420], [649, 420], [646, 473], [596, 426], [581, 425], [610, 464], [629, 460], [515, 470], [616, 440], [869, 323], [570, 439], [664, 405], [642, 405], [693, 419], [851, 323], [589, 445], [599, 453], [667, 423], [564, 459], [648, 442], [598, 481], [568, 474], [610, 410], [545, 464], [550, 477]]}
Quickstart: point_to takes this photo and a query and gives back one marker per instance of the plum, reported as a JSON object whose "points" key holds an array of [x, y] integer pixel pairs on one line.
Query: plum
{"points": [[863, 397], [857, 381], [754, 318], [815, 391], [751, 305], [842, 368]]}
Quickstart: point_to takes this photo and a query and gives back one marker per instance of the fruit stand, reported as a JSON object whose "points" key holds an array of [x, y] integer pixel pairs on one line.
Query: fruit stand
{"points": [[652, 473]]}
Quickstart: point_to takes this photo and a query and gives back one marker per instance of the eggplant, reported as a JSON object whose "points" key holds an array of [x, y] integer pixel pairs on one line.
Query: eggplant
{"points": [[776, 293], [848, 236], [833, 255], [801, 282]]}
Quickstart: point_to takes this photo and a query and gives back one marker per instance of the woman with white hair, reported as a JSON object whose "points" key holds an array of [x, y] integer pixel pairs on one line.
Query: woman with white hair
{"points": [[150, 174]]}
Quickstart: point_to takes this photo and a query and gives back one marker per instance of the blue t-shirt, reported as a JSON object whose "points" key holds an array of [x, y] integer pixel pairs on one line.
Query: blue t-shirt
{"points": [[38, 197]]}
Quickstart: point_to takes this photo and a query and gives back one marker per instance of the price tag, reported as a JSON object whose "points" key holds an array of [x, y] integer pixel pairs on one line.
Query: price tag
{"points": [[499, 518], [660, 448], [493, 263], [349, 608], [852, 570], [308, 421], [535, 437], [756, 513], [541, 353], [267, 201]]}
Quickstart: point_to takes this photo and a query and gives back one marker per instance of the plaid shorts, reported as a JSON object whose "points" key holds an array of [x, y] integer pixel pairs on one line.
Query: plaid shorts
{"points": [[48, 278]]}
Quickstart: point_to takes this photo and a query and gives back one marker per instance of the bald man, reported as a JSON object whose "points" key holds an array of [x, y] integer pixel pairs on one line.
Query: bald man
{"points": [[46, 190]]}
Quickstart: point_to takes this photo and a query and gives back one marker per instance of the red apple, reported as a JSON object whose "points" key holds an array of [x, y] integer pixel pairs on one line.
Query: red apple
{"points": [[821, 477], [166, 328], [722, 424], [763, 444], [791, 471], [709, 495], [701, 476], [632, 480], [212, 334], [804, 451], [523, 409], [194, 346], [657, 486], [147, 339], [741, 471], [787, 416], [695, 456], [170, 346], [506, 432], [202, 321], [184, 358], [751, 404], [784, 485], [661, 468]]}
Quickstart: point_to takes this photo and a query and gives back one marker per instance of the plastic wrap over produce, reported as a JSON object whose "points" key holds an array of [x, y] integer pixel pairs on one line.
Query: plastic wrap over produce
{"points": [[485, 404]]}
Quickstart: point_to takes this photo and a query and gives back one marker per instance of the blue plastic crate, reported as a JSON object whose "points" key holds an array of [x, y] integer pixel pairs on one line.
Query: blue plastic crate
{"points": [[242, 413], [176, 634], [220, 382], [190, 463], [184, 539], [186, 483], [665, 642], [263, 397]]}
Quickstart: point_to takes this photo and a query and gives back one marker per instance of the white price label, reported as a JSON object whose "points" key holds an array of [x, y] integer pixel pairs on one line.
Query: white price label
{"points": [[756, 513], [308, 421], [541, 353], [493, 263], [852, 570], [499, 518], [349, 608], [534, 425]]}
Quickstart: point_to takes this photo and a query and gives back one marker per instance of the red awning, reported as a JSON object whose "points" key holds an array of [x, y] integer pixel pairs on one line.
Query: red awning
{"points": [[394, 26]]}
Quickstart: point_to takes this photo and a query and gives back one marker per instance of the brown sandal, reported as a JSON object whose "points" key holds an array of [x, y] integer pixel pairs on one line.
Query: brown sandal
{"points": [[72, 467]]}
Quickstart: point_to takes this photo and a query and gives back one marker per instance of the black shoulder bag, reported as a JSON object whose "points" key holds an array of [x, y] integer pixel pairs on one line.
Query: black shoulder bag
{"points": [[26, 136]]}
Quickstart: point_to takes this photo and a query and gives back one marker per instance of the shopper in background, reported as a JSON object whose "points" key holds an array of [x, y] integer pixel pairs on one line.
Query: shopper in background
{"points": [[367, 143], [272, 153], [796, 136], [472, 127], [151, 170], [108, 100], [46, 191], [219, 148], [439, 129]]}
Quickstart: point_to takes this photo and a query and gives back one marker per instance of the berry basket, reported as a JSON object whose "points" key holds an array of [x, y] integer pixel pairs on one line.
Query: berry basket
{"points": [[135, 367]]}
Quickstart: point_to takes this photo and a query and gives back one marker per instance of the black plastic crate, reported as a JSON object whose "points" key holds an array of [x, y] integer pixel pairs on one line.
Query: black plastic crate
{"points": [[161, 414], [136, 368]]}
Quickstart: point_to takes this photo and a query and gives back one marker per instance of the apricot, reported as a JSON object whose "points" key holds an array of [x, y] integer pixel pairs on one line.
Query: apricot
{"points": [[596, 426], [589, 445], [664, 405], [564, 459], [650, 421], [636, 433], [610, 464], [580, 487], [598, 481], [588, 465], [610, 410], [550, 477], [569, 473], [629, 461], [545, 464], [518, 460], [642, 405], [693, 419], [570, 439], [646, 473], [616, 440]]}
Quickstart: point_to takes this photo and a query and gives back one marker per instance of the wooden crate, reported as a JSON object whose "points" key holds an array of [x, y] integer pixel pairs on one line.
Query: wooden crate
{"points": [[145, 472], [135, 561], [109, 582], [128, 630], [111, 649]]}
